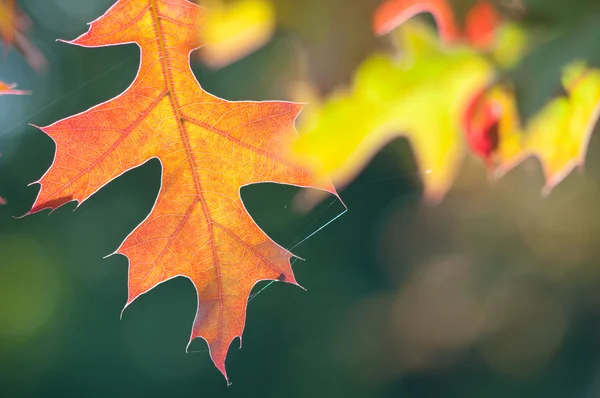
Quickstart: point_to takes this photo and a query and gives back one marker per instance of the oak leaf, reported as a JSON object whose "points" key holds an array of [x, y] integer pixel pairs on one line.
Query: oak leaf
{"points": [[208, 148], [421, 96], [558, 135], [426, 95]]}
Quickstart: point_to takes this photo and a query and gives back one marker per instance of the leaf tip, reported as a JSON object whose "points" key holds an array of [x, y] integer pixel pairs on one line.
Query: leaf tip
{"points": [[290, 278], [217, 359], [220, 365], [124, 308]]}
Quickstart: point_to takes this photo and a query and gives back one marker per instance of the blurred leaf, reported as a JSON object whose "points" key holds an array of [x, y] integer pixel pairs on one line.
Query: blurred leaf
{"points": [[559, 134], [481, 125], [14, 24], [393, 13], [6, 89], [480, 24], [510, 45], [7, 21], [425, 96], [232, 31], [421, 96]]}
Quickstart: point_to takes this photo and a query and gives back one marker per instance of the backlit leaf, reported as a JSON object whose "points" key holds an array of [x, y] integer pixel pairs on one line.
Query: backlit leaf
{"points": [[208, 148]]}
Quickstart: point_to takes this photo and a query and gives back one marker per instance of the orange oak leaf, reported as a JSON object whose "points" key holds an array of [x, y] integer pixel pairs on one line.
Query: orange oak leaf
{"points": [[480, 23], [208, 148]]}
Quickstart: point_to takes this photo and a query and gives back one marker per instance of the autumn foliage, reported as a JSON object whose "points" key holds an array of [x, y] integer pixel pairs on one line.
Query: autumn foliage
{"points": [[444, 95], [445, 87], [208, 147]]}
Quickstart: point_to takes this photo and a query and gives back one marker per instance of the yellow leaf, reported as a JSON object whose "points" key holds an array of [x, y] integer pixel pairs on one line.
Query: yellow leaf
{"points": [[421, 96], [559, 134], [231, 32]]}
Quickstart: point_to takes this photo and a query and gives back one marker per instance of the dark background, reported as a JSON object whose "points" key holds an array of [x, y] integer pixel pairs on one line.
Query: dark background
{"points": [[493, 293]]}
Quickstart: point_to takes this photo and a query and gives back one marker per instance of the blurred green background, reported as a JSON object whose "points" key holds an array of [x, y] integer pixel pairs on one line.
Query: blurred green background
{"points": [[493, 293]]}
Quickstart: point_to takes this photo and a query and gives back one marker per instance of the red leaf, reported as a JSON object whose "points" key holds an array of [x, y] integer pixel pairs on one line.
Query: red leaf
{"points": [[480, 24], [393, 13], [480, 124]]}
